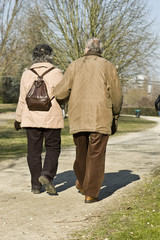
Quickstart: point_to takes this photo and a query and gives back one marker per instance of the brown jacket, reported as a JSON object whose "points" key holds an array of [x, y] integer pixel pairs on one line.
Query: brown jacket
{"points": [[51, 119], [95, 94]]}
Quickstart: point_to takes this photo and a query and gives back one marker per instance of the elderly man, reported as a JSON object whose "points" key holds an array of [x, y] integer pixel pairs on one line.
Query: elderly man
{"points": [[95, 99]]}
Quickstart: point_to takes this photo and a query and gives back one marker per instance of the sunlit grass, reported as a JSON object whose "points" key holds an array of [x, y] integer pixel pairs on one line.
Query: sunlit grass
{"points": [[135, 217], [7, 108], [132, 124], [13, 144]]}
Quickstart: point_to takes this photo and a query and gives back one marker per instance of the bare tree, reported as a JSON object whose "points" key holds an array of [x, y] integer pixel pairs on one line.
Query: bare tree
{"points": [[8, 12], [121, 24], [30, 33], [20, 31], [66, 25]]}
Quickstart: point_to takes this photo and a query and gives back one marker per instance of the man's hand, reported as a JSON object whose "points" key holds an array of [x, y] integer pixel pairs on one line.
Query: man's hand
{"points": [[114, 125]]}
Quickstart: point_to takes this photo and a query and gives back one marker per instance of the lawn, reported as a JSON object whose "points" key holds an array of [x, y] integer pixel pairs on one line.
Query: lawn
{"points": [[13, 144], [136, 217]]}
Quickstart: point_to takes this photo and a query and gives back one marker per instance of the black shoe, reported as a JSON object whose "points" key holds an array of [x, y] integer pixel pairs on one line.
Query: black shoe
{"points": [[47, 184]]}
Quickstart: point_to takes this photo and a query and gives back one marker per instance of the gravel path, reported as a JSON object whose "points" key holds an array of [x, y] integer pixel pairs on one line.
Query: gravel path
{"points": [[27, 216]]}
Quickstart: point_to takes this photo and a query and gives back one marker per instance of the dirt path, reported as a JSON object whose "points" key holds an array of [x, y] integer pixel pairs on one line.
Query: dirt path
{"points": [[26, 216]]}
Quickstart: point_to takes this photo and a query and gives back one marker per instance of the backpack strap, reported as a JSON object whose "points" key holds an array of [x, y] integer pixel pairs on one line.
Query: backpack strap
{"points": [[40, 76]]}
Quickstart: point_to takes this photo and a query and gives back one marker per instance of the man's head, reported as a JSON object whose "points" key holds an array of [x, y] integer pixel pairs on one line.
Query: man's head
{"points": [[94, 44], [42, 53]]}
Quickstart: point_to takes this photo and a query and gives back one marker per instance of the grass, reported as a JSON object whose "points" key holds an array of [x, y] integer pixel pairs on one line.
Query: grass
{"points": [[7, 108], [132, 124], [136, 217], [13, 144]]}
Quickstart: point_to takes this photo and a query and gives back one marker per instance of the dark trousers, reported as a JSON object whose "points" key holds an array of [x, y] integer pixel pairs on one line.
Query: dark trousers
{"points": [[35, 137], [90, 161]]}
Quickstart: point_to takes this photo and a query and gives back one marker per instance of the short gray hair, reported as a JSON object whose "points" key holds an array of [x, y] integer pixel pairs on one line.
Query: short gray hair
{"points": [[94, 44]]}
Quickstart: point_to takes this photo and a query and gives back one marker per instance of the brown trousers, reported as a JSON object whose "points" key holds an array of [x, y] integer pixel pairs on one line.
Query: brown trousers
{"points": [[90, 161]]}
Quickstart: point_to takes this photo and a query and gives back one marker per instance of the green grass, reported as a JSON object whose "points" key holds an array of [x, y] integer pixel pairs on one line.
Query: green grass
{"points": [[135, 217], [132, 124], [66, 138], [13, 144], [7, 108]]}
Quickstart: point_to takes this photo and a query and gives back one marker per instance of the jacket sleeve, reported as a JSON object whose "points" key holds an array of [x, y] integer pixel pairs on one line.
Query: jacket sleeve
{"points": [[62, 90], [157, 103], [21, 101], [116, 93]]}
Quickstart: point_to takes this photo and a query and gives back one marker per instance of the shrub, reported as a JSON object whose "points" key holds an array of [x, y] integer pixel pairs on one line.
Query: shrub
{"points": [[10, 89]]}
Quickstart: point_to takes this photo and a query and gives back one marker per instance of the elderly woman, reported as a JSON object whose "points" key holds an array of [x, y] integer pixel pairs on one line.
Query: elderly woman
{"points": [[41, 125]]}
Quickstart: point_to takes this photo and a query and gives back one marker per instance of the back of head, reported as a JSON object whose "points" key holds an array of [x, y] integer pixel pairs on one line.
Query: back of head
{"points": [[42, 53], [94, 44]]}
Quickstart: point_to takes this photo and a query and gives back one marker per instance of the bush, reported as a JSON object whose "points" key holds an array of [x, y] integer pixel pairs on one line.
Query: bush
{"points": [[10, 89]]}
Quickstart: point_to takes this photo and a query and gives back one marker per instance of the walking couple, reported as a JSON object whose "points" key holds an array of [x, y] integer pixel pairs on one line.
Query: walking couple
{"points": [[94, 91]]}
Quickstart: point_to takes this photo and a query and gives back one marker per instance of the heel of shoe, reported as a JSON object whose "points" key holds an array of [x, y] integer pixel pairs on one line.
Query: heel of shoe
{"points": [[90, 199]]}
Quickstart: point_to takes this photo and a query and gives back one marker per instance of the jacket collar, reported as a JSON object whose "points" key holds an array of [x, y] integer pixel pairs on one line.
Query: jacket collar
{"points": [[42, 64], [89, 53]]}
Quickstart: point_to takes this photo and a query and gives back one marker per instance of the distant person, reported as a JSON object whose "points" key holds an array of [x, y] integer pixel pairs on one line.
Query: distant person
{"points": [[41, 125], [157, 104], [95, 99]]}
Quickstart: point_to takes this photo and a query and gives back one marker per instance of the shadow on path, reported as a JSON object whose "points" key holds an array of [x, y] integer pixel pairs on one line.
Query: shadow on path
{"points": [[12, 165], [112, 181], [64, 180], [116, 180]]}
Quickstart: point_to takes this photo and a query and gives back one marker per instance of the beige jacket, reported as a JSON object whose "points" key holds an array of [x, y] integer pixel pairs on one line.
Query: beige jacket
{"points": [[95, 94], [51, 119]]}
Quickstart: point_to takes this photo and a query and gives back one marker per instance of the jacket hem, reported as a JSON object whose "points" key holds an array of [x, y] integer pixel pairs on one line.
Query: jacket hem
{"points": [[90, 130]]}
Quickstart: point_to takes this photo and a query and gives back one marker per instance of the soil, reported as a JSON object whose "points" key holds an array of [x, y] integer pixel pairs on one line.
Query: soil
{"points": [[28, 216]]}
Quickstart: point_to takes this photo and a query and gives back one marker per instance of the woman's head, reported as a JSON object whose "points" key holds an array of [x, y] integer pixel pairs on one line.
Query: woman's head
{"points": [[42, 53]]}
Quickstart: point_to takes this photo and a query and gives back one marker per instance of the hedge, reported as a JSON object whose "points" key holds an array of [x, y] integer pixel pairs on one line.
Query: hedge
{"points": [[143, 111], [10, 89]]}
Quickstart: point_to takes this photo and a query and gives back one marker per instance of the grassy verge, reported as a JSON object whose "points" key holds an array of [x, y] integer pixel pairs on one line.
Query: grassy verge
{"points": [[7, 108], [13, 144], [132, 124], [135, 217]]}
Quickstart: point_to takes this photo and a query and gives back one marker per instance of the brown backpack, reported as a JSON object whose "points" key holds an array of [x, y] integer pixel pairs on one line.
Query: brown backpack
{"points": [[37, 98]]}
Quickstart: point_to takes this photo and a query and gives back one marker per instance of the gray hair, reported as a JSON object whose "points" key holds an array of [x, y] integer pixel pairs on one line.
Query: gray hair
{"points": [[94, 44]]}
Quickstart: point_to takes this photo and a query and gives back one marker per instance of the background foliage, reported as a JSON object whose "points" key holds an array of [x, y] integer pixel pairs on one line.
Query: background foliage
{"points": [[122, 25]]}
